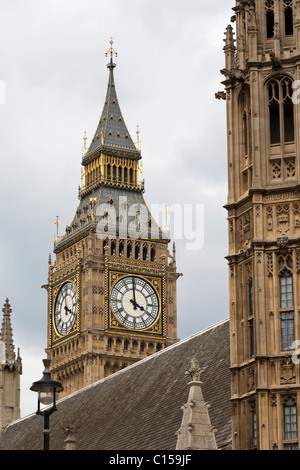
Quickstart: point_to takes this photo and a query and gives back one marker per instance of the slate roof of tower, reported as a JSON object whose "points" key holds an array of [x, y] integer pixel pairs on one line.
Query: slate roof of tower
{"points": [[87, 217], [112, 133], [139, 407]]}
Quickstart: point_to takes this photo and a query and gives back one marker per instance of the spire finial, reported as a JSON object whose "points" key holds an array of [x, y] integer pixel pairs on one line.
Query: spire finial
{"points": [[111, 52], [138, 136], [194, 370], [57, 222], [84, 140], [6, 334]]}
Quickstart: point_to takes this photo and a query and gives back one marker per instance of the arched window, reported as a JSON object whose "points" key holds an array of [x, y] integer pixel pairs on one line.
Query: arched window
{"points": [[137, 251], [113, 248], [251, 320], [121, 248], [281, 110], [254, 425], [288, 17], [286, 303], [120, 173], [129, 250], [269, 8], [290, 424], [245, 142]]}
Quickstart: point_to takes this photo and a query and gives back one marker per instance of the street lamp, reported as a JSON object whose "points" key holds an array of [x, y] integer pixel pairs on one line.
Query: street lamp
{"points": [[47, 389]]}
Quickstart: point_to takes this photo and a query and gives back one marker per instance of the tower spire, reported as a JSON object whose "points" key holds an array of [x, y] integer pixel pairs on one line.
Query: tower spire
{"points": [[196, 431], [10, 371], [6, 335], [111, 133]]}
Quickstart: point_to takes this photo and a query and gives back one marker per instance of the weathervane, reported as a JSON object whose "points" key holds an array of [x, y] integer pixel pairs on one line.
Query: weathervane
{"points": [[111, 51]]}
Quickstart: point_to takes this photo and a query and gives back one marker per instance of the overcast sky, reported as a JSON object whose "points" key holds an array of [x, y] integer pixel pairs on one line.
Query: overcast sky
{"points": [[53, 67]]}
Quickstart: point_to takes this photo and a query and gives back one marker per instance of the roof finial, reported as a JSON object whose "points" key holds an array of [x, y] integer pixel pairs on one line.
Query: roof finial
{"points": [[111, 52], [138, 137], [57, 222], [84, 140]]}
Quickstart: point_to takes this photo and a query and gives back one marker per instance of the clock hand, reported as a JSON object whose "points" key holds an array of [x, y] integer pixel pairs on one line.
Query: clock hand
{"points": [[134, 301], [67, 309], [135, 304]]}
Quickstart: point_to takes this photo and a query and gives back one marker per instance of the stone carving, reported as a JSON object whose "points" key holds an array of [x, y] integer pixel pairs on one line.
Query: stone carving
{"points": [[282, 242], [194, 371], [250, 379], [283, 218], [287, 375]]}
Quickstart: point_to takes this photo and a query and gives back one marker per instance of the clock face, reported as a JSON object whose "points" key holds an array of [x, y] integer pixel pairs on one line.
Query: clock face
{"points": [[134, 303], [65, 308]]}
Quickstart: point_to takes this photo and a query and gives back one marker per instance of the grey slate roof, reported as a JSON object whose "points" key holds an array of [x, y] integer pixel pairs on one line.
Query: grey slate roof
{"points": [[112, 132], [85, 220], [139, 408]]}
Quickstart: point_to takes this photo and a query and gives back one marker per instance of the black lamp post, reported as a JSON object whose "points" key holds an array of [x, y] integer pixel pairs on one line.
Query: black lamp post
{"points": [[47, 389]]}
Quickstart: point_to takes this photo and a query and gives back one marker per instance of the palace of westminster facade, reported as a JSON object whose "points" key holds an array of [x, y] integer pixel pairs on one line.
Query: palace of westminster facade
{"points": [[112, 298]]}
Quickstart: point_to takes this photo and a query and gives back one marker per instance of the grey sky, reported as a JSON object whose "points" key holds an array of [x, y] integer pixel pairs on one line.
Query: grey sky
{"points": [[53, 64]]}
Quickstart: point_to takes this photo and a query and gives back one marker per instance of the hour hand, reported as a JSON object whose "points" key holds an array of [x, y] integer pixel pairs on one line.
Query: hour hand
{"points": [[135, 305], [67, 309]]}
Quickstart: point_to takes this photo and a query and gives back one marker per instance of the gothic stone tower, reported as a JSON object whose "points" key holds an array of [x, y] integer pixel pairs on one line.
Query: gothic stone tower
{"points": [[10, 372], [112, 287], [263, 131]]}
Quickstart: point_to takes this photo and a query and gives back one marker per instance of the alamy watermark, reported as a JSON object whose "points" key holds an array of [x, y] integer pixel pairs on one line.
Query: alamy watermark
{"points": [[160, 221], [296, 353]]}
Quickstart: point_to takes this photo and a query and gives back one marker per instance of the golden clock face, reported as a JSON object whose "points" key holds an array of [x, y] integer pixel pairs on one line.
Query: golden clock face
{"points": [[65, 308], [135, 303]]}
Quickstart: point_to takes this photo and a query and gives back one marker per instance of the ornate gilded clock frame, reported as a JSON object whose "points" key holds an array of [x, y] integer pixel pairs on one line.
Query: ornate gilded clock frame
{"points": [[154, 274], [74, 276]]}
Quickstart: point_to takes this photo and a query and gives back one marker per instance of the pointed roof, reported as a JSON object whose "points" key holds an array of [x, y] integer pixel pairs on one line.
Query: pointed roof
{"points": [[6, 335], [112, 133], [196, 431]]}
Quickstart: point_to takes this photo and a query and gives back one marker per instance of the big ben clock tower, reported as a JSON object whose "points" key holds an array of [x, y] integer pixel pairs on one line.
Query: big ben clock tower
{"points": [[112, 287]]}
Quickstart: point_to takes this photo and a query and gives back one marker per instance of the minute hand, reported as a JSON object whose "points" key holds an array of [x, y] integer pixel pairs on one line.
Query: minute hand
{"points": [[134, 301]]}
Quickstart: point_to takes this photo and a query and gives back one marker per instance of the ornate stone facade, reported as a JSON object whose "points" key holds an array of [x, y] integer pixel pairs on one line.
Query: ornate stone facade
{"points": [[262, 67]]}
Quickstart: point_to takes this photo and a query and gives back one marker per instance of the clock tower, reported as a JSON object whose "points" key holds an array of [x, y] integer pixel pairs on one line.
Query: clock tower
{"points": [[112, 286]]}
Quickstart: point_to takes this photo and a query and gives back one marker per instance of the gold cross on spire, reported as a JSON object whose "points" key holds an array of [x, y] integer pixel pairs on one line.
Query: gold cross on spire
{"points": [[57, 222], [111, 50]]}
